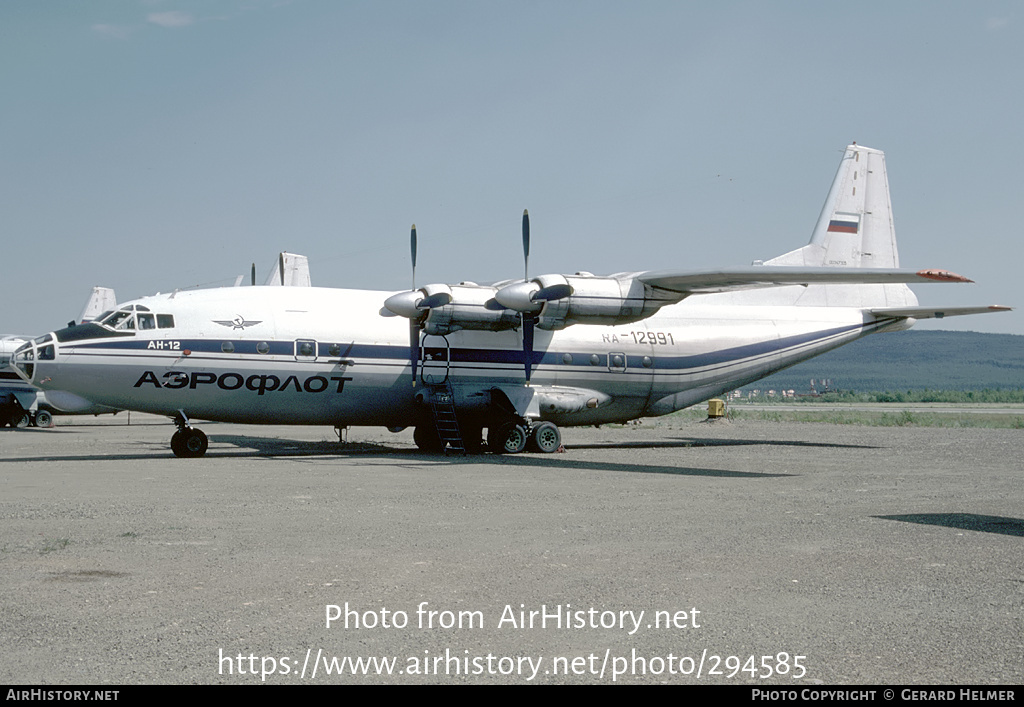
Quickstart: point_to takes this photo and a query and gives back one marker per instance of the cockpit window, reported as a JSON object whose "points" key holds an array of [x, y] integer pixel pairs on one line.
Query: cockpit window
{"points": [[135, 317], [120, 321]]}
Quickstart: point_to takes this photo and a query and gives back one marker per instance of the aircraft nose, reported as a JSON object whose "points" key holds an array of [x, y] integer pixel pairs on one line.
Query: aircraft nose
{"points": [[23, 361], [27, 356]]}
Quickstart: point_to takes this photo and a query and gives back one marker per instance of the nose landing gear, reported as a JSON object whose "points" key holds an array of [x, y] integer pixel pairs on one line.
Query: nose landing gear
{"points": [[188, 441]]}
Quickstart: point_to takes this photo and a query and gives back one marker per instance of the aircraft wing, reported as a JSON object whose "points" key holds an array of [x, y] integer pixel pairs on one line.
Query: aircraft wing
{"points": [[934, 312], [709, 281]]}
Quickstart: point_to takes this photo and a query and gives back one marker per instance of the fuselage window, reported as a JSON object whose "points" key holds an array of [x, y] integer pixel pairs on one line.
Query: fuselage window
{"points": [[146, 321], [305, 348], [165, 321]]}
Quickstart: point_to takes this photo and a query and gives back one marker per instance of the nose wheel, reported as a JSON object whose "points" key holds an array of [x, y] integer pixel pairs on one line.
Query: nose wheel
{"points": [[188, 442]]}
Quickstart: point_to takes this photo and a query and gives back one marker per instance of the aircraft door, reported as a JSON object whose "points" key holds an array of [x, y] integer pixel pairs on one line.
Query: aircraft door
{"points": [[434, 359]]}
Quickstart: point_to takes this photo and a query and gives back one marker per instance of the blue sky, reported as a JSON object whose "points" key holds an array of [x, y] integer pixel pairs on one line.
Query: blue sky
{"points": [[151, 145]]}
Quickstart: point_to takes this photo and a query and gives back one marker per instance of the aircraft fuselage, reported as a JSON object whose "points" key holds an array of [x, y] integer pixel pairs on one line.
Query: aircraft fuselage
{"points": [[327, 356]]}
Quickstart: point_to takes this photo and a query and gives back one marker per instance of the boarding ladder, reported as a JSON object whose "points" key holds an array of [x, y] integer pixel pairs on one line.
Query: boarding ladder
{"points": [[442, 406]]}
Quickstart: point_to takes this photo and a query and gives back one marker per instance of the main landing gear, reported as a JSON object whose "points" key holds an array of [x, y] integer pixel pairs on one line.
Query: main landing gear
{"points": [[509, 437], [515, 436], [188, 441]]}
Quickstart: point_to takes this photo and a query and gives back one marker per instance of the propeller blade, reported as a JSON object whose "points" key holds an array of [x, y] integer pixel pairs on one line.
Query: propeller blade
{"points": [[280, 268], [252, 280], [414, 348], [526, 244], [414, 326], [548, 294], [412, 250], [528, 324]]}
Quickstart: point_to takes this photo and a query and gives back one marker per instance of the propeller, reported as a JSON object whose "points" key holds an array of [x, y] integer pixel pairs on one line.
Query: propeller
{"points": [[414, 325], [529, 318], [528, 298], [252, 280], [415, 305]]}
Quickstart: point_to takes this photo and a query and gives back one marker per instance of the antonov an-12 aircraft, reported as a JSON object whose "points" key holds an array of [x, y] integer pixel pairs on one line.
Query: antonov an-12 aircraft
{"points": [[519, 358]]}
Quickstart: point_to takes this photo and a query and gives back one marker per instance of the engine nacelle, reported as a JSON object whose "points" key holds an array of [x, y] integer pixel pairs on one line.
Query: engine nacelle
{"points": [[616, 299], [471, 307], [557, 301]]}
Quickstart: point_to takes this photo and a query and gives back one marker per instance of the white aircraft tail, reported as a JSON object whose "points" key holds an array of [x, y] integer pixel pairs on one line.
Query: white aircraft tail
{"points": [[292, 271], [854, 230], [101, 300]]}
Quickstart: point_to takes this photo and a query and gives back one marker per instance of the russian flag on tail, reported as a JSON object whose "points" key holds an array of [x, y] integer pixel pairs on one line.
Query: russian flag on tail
{"points": [[844, 223]]}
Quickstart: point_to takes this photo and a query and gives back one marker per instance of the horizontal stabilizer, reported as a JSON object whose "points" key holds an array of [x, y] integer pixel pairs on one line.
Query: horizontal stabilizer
{"points": [[935, 312], [773, 276]]}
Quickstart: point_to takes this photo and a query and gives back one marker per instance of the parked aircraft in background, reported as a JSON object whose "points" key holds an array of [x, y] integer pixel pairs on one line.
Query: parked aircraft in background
{"points": [[22, 404], [520, 358]]}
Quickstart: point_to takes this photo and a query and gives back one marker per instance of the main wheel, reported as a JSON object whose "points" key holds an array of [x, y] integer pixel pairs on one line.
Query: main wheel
{"points": [[427, 439], [21, 421], [472, 436], [44, 419], [545, 438], [509, 438]]}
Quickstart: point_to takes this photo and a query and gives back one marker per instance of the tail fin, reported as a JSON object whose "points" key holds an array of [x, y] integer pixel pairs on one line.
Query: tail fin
{"points": [[855, 228], [101, 300], [292, 271]]}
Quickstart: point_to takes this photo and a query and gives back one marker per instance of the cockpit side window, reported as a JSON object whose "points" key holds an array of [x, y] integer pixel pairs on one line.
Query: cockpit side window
{"points": [[134, 317], [120, 320]]}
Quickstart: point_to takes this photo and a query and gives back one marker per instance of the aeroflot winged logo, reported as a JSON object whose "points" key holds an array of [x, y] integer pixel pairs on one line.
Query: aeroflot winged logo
{"points": [[238, 322]]}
